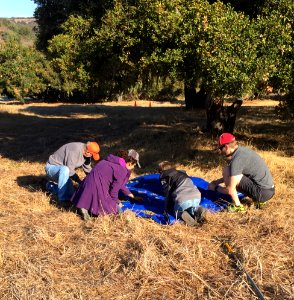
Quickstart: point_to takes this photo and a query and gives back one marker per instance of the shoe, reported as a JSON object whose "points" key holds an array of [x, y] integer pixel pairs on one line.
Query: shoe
{"points": [[84, 213], [201, 215], [234, 208], [260, 205], [65, 204], [51, 187], [247, 202], [188, 219]]}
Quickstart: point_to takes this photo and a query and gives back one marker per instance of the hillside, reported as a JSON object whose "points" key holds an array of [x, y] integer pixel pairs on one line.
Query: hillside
{"points": [[21, 29]]}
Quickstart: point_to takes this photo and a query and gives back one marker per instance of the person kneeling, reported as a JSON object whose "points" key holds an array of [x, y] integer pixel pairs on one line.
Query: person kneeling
{"points": [[98, 192], [182, 197]]}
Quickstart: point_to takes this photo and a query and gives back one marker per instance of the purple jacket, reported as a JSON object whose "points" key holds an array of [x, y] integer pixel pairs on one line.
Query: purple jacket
{"points": [[98, 192]]}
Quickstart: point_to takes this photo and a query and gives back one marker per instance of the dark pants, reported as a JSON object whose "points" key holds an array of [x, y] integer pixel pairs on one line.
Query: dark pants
{"points": [[251, 189]]}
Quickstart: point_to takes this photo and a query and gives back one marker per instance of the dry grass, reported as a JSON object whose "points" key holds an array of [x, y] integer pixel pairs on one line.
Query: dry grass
{"points": [[49, 253]]}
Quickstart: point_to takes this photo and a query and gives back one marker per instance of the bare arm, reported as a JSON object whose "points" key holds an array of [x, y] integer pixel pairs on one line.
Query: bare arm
{"points": [[231, 189], [213, 184]]}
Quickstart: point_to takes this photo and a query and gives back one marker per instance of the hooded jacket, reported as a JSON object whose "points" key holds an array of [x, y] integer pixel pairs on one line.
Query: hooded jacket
{"points": [[98, 192], [177, 187]]}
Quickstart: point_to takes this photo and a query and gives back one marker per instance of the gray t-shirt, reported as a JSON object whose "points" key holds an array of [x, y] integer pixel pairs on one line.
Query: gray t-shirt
{"points": [[70, 155], [247, 162]]}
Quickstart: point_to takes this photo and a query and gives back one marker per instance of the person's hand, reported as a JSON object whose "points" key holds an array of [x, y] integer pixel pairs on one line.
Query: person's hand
{"points": [[138, 199], [212, 185]]}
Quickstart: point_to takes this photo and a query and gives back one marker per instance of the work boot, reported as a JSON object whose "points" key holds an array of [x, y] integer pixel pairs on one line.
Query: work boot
{"points": [[201, 215], [84, 213], [188, 218]]}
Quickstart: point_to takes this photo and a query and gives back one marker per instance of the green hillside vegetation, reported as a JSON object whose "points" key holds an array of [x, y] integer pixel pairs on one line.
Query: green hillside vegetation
{"points": [[25, 71], [20, 29]]}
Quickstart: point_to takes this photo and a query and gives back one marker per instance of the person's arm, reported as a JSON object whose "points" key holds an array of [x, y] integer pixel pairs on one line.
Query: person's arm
{"points": [[166, 188], [231, 189], [75, 177], [126, 191], [213, 184], [87, 165], [167, 203]]}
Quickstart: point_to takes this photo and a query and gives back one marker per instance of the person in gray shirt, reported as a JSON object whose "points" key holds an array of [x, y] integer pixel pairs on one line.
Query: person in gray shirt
{"points": [[246, 173], [62, 164]]}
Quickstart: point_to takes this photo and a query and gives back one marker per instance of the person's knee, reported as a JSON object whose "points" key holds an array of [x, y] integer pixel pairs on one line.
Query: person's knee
{"points": [[64, 171]]}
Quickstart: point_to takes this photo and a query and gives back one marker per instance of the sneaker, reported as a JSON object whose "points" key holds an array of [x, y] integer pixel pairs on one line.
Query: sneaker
{"points": [[84, 213], [260, 205], [201, 215], [247, 202], [234, 208], [51, 187], [188, 219], [66, 204]]}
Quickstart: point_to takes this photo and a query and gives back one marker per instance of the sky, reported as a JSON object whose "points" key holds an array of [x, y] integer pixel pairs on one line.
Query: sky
{"points": [[17, 8]]}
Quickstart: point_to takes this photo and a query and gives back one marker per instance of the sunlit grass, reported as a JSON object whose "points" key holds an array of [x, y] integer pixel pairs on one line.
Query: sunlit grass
{"points": [[50, 253]]}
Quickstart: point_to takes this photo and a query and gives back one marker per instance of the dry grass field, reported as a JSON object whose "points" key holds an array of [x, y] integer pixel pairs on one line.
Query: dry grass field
{"points": [[47, 252]]}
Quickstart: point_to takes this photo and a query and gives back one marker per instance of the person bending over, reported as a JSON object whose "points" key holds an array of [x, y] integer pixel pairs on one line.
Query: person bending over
{"points": [[98, 192], [62, 164], [182, 197]]}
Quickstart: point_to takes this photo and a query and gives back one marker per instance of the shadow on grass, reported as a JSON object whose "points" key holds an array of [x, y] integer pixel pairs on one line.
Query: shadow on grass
{"points": [[158, 133], [35, 183], [32, 183]]}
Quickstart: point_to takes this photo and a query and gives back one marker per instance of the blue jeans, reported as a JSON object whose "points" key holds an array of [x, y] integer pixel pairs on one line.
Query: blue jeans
{"points": [[181, 206], [64, 188]]}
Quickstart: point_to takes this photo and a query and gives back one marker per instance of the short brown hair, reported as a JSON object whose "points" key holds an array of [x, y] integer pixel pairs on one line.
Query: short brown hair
{"points": [[125, 155], [165, 165]]}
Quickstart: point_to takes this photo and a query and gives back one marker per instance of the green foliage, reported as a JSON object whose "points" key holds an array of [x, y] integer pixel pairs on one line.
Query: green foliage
{"points": [[51, 14], [69, 55], [24, 71], [283, 78], [132, 44], [23, 32]]}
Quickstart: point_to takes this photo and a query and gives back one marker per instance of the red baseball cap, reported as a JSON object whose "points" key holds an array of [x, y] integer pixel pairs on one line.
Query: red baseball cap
{"points": [[94, 149], [226, 138]]}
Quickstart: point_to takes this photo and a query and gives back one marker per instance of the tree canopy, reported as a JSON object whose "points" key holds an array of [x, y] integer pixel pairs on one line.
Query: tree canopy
{"points": [[101, 49]]}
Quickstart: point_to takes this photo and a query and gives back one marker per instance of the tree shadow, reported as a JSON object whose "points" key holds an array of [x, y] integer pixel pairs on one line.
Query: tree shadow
{"points": [[35, 131], [35, 137], [262, 128]]}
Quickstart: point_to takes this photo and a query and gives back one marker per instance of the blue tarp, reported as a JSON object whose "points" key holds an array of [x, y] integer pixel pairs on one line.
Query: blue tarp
{"points": [[149, 188]]}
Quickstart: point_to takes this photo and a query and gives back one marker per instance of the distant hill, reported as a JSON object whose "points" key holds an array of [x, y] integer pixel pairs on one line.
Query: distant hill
{"points": [[22, 29], [23, 20]]}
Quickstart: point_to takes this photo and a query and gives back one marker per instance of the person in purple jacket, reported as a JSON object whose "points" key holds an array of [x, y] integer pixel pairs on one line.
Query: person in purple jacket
{"points": [[98, 192]]}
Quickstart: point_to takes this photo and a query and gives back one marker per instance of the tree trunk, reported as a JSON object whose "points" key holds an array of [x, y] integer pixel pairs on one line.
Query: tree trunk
{"points": [[194, 100], [221, 118]]}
